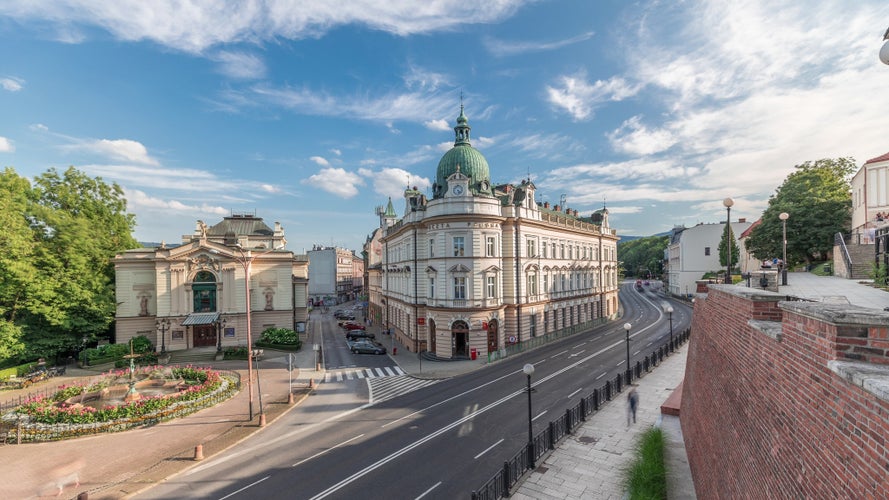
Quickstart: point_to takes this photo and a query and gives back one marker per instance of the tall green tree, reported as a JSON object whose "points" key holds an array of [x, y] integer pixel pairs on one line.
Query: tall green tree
{"points": [[643, 255], [728, 235], [817, 197], [73, 226]]}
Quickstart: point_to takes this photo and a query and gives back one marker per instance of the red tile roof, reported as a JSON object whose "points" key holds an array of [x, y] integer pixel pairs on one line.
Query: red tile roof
{"points": [[878, 159], [747, 231]]}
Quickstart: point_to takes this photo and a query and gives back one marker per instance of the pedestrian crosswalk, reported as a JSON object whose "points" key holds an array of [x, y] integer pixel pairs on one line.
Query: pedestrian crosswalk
{"points": [[382, 389], [363, 373]]}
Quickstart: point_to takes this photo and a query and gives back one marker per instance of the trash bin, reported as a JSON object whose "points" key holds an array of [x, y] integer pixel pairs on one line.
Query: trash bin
{"points": [[473, 353]]}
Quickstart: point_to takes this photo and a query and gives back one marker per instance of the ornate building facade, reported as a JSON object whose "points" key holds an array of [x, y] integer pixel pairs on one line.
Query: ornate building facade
{"points": [[196, 294], [482, 266]]}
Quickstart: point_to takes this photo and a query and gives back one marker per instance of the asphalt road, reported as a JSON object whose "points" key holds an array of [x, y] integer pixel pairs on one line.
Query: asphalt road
{"points": [[438, 441]]}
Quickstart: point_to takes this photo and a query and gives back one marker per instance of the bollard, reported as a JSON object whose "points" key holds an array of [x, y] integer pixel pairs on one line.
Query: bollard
{"points": [[394, 351], [311, 383], [199, 452], [262, 419], [290, 398], [84, 495]]}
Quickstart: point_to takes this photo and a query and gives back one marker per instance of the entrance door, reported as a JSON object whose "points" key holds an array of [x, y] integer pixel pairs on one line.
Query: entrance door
{"points": [[204, 336], [432, 336], [460, 336], [493, 335]]}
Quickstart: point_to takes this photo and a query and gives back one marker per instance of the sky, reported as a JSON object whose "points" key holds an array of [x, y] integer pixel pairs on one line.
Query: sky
{"points": [[313, 113]]}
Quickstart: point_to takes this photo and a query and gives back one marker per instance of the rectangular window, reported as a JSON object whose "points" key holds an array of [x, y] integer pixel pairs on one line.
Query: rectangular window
{"points": [[459, 288], [431, 248], [545, 283], [489, 246], [706, 250], [431, 288], [531, 248], [459, 246], [492, 287], [562, 250], [532, 284], [544, 250], [533, 327]]}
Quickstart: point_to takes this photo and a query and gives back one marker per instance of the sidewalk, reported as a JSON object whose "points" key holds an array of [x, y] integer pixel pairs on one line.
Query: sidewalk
{"points": [[589, 463]]}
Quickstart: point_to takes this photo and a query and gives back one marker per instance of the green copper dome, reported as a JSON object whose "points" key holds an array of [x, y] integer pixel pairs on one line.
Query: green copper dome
{"points": [[465, 157]]}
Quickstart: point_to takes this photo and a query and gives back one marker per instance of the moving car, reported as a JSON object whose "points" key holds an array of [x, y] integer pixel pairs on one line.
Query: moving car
{"points": [[366, 347], [352, 326]]}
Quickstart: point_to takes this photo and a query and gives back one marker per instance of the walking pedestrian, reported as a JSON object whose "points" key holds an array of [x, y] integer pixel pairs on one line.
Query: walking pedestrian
{"points": [[632, 404]]}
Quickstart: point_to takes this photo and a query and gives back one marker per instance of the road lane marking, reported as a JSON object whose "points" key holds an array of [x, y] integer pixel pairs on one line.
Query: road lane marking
{"points": [[558, 354], [244, 488], [575, 354], [436, 485], [489, 448], [329, 449], [539, 415], [601, 375], [575, 392]]}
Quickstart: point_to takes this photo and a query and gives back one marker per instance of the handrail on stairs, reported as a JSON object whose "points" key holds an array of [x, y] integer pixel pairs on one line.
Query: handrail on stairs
{"points": [[839, 241]]}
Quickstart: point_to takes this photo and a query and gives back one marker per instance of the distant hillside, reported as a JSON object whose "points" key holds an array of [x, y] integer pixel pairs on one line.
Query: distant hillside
{"points": [[625, 238]]}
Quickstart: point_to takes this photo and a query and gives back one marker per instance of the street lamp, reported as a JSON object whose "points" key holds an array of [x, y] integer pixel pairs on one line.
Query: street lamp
{"points": [[784, 216], [528, 370], [246, 260], [163, 324], [627, 327], [728, 202], [220, 326], [669, 310]]}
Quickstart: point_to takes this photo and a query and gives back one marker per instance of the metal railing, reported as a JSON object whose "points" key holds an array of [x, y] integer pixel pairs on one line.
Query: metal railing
{"points": [[500, 484], [839, 241]]}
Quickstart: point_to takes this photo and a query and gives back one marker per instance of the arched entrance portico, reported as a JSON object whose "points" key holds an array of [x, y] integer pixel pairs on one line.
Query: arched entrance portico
{"points": [[459, 339], [204, 293]]}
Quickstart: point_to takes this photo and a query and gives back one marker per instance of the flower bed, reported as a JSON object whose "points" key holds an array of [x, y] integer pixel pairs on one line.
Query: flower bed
{"points": [[53, 418]]}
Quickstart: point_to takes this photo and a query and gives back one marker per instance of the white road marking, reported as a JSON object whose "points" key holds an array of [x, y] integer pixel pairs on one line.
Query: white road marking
{"points": [[244, 488], [329, 449], [427, 491], [575, 392], [539, 415], [489, 448]]}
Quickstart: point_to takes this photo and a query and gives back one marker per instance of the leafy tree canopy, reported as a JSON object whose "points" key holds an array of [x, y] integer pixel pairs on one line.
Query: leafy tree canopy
{"points": [[643, 255], [56, 274], [817, 198]]}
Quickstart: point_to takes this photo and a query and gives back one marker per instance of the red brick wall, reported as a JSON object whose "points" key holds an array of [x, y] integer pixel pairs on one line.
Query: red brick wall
{"points": [[767, 418]]}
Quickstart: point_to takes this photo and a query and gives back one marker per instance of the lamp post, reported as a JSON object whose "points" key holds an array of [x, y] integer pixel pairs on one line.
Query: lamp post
{"points": [[728, 202], [784, 216], [246, 260], [163, 324], [528, 370], [669, 310], [627, 327], [220, 326]]}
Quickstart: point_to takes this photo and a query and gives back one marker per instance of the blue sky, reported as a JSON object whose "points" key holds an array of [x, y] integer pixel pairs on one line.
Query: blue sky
{"points": [[312, 113]]}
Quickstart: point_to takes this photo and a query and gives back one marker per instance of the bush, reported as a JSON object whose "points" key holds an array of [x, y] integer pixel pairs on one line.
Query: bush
{"points": [[116, 352], [284, 336], [646, 477], [234, 353]]}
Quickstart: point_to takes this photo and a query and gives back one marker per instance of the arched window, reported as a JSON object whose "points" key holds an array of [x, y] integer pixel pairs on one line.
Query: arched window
{"points": [[204, 289]]}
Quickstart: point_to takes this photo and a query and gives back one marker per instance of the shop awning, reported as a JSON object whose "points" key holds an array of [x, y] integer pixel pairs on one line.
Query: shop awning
{"points": [[200, 319]]}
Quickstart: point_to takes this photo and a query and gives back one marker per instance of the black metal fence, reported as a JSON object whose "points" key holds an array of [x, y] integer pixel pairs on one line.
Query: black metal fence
{"points": [[546, 440]]}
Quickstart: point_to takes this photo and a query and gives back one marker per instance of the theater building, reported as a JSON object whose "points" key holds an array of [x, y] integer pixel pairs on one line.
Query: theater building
{"points": [[196, 294], [483, 266]]}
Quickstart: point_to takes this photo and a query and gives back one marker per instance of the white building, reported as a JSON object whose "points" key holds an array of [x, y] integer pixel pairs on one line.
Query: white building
{"points": [[195, 294], [870, 199], [481, 267], [694, 251], [331, 271]]}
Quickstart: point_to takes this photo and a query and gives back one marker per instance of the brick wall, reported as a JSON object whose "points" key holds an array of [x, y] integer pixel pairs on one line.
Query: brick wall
{"points": [[776, 407]]}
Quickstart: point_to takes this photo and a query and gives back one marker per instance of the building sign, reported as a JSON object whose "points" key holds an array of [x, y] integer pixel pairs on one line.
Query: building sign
{"points": [[421, 321]]}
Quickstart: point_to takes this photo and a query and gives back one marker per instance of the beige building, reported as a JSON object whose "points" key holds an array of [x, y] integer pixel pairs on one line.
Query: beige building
{"points": [[195, 294], [483, 267]]}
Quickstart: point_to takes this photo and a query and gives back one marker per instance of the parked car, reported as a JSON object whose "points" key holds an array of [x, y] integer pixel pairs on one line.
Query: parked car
{"points": [[344, 315], [351, 326], [359, 334], [367, 347]]}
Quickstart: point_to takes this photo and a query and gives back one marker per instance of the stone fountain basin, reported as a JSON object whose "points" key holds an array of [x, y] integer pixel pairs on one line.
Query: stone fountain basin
{"points": [[115, 394]]}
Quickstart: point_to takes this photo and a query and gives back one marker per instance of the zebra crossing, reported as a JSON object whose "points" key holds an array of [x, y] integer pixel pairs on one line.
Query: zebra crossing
{"points": [[382, 389], [363, 373]]}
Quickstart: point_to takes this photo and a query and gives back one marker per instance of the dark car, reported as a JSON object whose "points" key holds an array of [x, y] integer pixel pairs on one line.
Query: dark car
{"points": [[347, 325], [359, 334], [344, 315], [367, 347]]}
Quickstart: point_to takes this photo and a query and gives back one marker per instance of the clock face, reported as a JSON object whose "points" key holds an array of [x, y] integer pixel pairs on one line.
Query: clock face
{"points": [[458, 190]]}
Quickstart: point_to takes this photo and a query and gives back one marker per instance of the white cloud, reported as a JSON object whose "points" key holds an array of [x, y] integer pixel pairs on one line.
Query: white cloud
{"points": [[579, 98], [634, 138], [140, 201], [501, 48], [6, 146], [207, 24], [437, 125], [336, 181], [117, 149], [12, 83], [240, 65], [268, 188], [336, 152], [320, 160], [39, 127], [393, 181], [422, 79]]}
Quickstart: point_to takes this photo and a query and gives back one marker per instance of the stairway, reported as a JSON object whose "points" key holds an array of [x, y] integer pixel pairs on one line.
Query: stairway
{"points": [[862, 260], [196, 356]]}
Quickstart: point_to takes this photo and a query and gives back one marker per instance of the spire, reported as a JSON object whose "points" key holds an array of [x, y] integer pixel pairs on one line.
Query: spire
{"points": [[390, 210], [462, 129]]}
